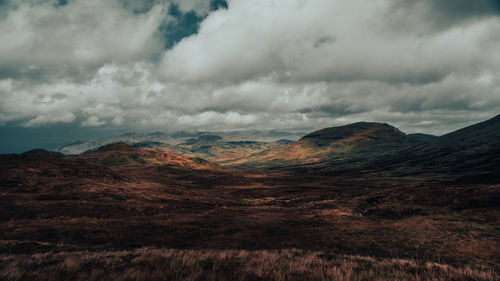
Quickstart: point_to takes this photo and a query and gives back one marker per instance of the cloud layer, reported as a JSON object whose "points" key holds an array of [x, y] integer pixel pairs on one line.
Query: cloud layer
{"points": [[429, 66], [47, 42]]}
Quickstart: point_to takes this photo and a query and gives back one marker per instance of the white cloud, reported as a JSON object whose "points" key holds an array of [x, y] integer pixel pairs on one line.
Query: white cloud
{"points": [[322, 40], [66, 41], [259, 64], [92, 121], [118, 120], [47, 119]]}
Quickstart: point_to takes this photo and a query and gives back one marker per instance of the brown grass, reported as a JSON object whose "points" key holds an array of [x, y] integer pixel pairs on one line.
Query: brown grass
{"points": [[169, 264]]}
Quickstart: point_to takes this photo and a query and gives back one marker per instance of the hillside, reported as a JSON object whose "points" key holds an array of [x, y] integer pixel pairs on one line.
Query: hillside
{"points": [[122, 154], [173, 139], [221, 152], [40, 166], [470, 154], [358, 140]]}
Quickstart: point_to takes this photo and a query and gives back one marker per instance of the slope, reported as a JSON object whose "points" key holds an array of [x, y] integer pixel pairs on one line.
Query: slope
{"points": [[470, 153], [121, 154], [362, 139]]}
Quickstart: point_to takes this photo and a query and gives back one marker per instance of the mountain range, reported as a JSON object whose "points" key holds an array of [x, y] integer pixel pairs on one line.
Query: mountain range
{"points": [[368, 144], [177, 138]]}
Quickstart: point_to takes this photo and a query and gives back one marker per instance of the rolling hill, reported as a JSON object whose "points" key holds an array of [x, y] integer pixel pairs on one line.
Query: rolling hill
{"points": [[359, 140], [123, 154], [173, 139], [470, 153], [364, 188]]}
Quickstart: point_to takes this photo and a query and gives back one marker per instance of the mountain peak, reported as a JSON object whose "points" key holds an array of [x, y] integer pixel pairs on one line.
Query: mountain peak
{"points": [[360, 131]]}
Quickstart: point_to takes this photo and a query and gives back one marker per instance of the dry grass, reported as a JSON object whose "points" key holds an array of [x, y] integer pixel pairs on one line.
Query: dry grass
{"points": [[168, 264]]}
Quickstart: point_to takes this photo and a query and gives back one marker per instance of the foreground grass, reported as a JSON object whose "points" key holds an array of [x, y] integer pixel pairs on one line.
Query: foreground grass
{"points": [[168, 264]]}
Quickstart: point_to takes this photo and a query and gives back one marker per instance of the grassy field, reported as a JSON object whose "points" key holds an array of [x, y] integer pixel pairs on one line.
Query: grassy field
{"points": [[169, 264]]}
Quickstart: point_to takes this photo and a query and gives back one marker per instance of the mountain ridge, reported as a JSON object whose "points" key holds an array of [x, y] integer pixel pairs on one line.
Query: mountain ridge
{"points": [[337, 142], [123, 154], [377, 146]]}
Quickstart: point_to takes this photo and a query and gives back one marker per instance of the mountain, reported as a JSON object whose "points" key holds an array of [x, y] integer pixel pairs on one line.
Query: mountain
{"points": [[469, 152], [81, 146], [209, 147], [185, 138], [121, 154], [484, 132], [365, 145], [362, 139], [161, 146], [221, 152], [356, 132], [424, 137]]}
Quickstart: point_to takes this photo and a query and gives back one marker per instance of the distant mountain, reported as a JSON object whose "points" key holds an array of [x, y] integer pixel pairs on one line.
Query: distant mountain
{"points": [[42, 153], [469, 152], [221, 152], [164, 147], [212, 150], [424, 137], [186, 138], [80, 146], [122, 154]]}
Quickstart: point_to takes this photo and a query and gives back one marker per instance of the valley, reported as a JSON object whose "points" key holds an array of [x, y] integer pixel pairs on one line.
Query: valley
{"points": [[364, 189]]}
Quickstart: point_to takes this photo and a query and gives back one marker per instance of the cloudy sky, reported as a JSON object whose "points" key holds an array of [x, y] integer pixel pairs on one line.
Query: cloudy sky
{"points": [[79, 68]]}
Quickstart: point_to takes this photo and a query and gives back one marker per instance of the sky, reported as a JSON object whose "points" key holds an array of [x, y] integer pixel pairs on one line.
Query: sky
{"points": [[74, 69]]}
